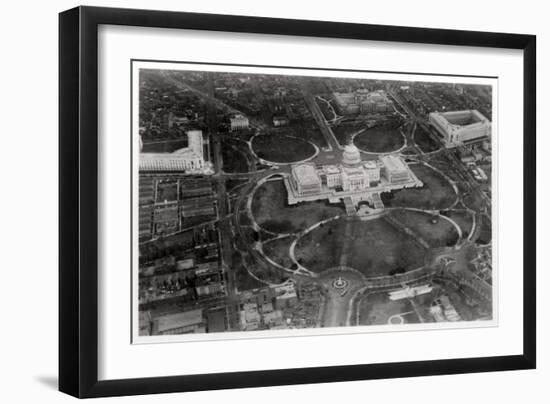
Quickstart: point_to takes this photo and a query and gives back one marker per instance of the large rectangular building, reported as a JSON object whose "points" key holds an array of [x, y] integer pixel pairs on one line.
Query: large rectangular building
{"points": [[187, 160], [461, 127], [352, 182], [362, 101]]}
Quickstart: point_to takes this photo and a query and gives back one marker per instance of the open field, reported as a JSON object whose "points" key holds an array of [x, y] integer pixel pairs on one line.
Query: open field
{"points": [[437, 233], [282, 148], [380, 139], [437, 192], [374, 247], [271, 211]]}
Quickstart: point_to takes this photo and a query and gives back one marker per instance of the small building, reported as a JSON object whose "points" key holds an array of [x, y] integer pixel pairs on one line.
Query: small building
{"points": [[184, 264], [280, 120], [285, 296], [214, 288], [239, 122], [250, 317], [273, 318]]}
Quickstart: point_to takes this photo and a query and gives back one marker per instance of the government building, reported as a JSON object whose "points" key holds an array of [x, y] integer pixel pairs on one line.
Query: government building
{"points": [[461, 128], [238, 122], [362, 102], [189, 160], [351, 181]]}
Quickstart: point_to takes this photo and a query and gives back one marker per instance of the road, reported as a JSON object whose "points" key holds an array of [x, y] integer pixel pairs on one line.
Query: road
{"points": [[224, 226], [331, 140]]}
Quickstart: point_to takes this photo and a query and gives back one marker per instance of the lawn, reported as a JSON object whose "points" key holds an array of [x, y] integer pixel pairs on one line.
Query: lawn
{"points": [[328, 113], [344, 131], [234, 158], [278, 249], [436, 193], [243, 279], [438, 233], [282, 148], [374, 247], [270, 209], [423, 140], [485, 234], [463, 218], [377, 308], [380, 139]]}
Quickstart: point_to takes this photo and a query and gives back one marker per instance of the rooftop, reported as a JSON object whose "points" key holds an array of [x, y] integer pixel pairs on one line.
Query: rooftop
{"points": [[307, 173], [171, 321], [351, 155], [463, 118], [393, 163]]}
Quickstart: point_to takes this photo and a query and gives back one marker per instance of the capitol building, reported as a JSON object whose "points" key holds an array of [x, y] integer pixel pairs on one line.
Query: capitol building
{"points": [[351, 181]]}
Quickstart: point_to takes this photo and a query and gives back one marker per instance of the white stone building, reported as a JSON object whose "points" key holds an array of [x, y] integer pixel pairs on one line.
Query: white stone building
{"points": [[461, 127], [239, 122], [188, 160], [353, 179]]}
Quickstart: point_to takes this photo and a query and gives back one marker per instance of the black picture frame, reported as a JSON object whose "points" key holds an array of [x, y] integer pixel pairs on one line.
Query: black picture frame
{"points": [[78, 200]]}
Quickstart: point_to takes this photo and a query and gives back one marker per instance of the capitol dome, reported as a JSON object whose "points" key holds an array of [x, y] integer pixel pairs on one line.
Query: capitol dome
{"points": [[351, 155]]}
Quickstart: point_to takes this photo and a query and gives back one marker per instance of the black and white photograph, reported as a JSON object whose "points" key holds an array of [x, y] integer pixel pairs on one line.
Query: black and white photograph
{"points": [[275, 202], [268, 201]]}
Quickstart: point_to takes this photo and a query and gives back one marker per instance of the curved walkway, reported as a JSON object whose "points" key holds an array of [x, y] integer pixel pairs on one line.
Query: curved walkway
{"points": [[276, 163], [399, 150]]}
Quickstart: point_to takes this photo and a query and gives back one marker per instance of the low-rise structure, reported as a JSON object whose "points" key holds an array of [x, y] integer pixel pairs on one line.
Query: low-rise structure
{"points": [[186, 322], [238, 122], [285, 296], [250, 317], [280, 120]]}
